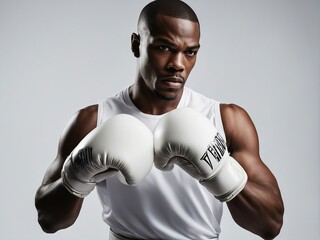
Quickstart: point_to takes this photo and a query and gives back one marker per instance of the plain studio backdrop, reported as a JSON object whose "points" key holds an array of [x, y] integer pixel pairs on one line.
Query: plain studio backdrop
{"points": [[59, 56]]}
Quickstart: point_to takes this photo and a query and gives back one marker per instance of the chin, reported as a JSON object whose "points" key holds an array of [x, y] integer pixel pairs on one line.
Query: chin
{"points": [[167, 96]]}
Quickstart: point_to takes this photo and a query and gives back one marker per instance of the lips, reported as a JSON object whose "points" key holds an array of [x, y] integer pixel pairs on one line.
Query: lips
{"points": [[173, 81]]}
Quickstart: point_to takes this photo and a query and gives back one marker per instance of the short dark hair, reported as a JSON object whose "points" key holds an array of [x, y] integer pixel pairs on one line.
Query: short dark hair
{"points": [[172, 8]]}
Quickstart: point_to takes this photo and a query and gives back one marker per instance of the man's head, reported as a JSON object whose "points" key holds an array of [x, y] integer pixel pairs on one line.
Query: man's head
{"points": [[166, 46], [171, 8]]}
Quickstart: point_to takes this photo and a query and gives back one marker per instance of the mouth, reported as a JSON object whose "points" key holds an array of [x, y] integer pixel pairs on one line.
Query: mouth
{"points": [[173, 81]]}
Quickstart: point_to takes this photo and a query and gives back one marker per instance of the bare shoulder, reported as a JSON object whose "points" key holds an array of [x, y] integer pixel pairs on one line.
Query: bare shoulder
{"points": [[239, 128], [86, 118], [80, 124], [232, 113], [243, 143]]}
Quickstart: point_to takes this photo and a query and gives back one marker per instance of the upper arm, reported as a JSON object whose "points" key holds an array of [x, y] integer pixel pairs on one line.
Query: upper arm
{"points": [[81, 123], [243, 144]]}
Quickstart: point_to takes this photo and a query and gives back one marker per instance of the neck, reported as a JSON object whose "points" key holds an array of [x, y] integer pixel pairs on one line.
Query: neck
{"points": [[149, 102]]}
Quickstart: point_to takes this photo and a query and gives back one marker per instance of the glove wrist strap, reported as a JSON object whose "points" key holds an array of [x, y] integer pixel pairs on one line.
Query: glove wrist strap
{"points": [[228, 182], [72, 184]]}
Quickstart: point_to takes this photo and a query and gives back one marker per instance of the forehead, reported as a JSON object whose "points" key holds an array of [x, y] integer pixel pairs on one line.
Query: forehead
{"points": [[172, 27]]}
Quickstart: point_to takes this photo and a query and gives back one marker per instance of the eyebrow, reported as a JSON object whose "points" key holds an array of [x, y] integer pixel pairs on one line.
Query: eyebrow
{"points": [[165, 40]]}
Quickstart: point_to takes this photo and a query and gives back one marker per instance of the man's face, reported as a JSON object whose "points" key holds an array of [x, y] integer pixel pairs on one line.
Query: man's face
{"points": [[167, 55]]}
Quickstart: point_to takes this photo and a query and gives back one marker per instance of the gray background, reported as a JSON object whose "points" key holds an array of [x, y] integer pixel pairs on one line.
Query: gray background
{"points": [[59, 56]]}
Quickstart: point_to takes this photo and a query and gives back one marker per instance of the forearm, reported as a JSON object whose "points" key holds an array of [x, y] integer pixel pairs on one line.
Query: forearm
{"points": [[57, 208], [258, 209]]}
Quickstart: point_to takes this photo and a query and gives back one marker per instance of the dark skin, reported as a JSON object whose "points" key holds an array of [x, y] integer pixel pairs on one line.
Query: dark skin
{"points": [[57, 208], [166, 55], [259, 207]]}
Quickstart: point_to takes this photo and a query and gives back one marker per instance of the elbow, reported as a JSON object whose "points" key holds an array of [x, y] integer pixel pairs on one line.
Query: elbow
{"points": [[46, 223], [51, 226], [43, 219], [51, 222], [271, 232], [46, 226], [273, 228]]}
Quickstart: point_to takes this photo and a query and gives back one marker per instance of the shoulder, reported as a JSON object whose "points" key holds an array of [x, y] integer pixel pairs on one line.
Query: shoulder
{"points": [[85, 119], [80, 124], [233, 116], [87, 116], [238, 126], [232, 113]]}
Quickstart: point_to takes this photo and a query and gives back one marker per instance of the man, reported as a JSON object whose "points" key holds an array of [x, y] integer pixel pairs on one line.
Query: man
{"points": [[111, 146]]}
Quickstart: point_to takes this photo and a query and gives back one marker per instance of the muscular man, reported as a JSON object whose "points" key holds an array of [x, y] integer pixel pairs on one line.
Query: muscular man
{"points": [[206, 152]]}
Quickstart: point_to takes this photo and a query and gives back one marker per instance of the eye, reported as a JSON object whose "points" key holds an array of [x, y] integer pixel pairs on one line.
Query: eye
{"points": [[164, 48], [190, 53]]}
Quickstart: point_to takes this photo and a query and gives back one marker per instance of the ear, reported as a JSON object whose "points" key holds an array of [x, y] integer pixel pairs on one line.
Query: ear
{"points": [[135, 43]]}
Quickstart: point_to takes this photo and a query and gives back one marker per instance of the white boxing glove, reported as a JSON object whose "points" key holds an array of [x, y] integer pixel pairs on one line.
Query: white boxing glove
{"points": [[122, 144], [188, 139]]}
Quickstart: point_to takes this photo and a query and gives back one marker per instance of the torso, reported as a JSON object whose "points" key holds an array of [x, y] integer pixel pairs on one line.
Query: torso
{"points": [[167, 205]]}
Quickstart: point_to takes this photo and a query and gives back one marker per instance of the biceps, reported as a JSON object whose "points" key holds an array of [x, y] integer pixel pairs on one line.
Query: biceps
{"points": [[256, 170], [53, 172]]}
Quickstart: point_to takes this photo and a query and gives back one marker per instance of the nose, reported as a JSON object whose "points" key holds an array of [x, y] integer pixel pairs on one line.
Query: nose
{"points": [[176, 62]]}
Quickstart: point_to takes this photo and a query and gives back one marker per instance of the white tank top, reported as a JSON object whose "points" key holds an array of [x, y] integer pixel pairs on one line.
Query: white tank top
{"points": [[165, 205]]}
